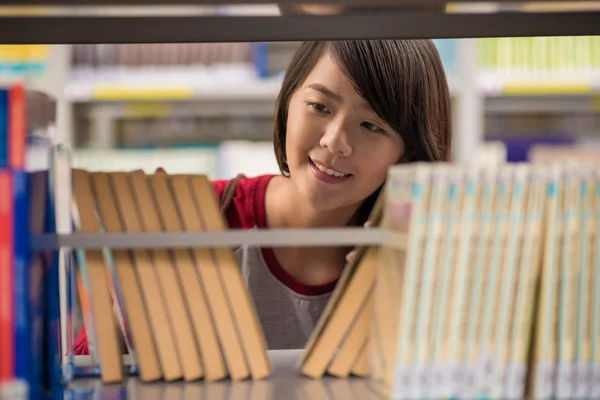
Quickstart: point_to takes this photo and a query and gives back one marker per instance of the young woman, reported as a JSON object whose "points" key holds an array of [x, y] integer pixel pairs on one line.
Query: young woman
{"points": [[346, 112]]}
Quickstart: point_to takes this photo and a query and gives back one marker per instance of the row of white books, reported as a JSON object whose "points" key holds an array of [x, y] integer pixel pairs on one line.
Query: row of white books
{"points": [[494, 288]]}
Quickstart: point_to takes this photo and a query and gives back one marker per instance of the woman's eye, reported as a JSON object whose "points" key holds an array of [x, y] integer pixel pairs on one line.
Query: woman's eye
{"points": [[371, 127], [318, 107]]}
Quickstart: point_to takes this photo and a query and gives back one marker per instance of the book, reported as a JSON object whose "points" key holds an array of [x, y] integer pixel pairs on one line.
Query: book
{"points": [[187, 311], [345, 316], [96, 282]]}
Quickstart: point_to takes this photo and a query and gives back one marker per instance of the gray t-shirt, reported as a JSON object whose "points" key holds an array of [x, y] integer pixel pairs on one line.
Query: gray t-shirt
{"points": [[287, 317], [288, 310]]}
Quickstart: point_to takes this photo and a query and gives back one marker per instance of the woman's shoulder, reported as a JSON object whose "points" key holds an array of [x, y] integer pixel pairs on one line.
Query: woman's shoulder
{"points": [[245, 185], [246, 209]]}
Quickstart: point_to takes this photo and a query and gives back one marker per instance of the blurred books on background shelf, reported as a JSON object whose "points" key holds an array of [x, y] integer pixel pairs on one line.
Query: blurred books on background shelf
{"points": [[18, 61], [540, 65], [222, 160]]}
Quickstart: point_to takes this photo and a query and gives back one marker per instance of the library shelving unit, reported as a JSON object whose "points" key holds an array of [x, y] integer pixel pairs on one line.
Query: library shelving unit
{"points": [[151, 21]]}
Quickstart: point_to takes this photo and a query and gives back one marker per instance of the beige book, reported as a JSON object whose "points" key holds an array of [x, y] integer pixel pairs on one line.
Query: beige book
{"points": [[212, 284], [353, 343], [148, 281], [206, 338], [361, 364], [332, 326], [107, 339], [136, 321], [168, 277], [350, 302], [244, 312]]}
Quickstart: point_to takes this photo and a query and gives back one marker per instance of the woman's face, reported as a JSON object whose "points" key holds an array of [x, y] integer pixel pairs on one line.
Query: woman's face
{"points": [[338, 150]]}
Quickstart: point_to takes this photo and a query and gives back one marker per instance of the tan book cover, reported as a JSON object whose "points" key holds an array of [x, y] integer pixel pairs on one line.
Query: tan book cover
{"points": [[206, 338], [148, 280], [342, 308], [170, 281], [136, 317], [244, 312], [97, 283], [353, 343], [207, 269]]}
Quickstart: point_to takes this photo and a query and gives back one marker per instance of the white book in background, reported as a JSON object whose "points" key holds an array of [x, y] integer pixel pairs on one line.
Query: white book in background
{"points": [[202, 160], [249, 158]]}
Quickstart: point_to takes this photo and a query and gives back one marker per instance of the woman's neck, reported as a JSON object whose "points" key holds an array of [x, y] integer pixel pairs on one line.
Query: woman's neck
{"points": [[286, 209]]}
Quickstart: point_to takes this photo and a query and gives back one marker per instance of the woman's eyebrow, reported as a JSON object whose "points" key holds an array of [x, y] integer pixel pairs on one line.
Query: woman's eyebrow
{"points": [[326, 91], [329, 93]]}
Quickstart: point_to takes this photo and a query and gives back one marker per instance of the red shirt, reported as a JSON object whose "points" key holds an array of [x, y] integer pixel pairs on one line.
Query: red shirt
{"points": [[246, 211]]}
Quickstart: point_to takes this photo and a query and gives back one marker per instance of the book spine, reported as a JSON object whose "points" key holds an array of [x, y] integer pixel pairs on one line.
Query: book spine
{"points": [[507, 280], [53, 356], [584, 212], [3, 128], [406, 197], [6, 278], [595, 315], [22, 363], [17, 142]]}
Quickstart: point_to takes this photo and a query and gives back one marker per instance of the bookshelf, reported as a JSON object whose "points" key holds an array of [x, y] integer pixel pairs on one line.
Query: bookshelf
{"points": [[95, 25]]}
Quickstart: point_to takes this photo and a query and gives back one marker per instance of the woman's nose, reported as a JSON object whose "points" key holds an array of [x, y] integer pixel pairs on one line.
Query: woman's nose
{"points": [[336, 140]]}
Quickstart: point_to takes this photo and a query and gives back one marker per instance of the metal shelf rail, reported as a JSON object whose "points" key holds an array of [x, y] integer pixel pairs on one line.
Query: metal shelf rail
{"points": [[135, 21]]}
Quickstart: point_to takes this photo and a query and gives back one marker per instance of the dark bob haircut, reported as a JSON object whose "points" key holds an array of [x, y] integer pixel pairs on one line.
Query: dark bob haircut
{"points": [[402, 80]]}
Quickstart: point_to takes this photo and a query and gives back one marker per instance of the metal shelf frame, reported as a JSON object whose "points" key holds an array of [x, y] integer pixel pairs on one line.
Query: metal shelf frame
{"points": [[154, 29], [229, 238]]}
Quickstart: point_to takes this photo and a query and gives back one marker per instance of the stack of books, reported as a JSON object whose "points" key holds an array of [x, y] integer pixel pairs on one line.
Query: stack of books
{"points": [[180, 313], [28, 311], [492, 288]]}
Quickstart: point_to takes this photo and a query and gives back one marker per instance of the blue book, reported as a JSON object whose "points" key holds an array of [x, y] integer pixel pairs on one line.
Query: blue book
{"points": [[52, 364], [3, 128], [21, 279], [38, 197]]}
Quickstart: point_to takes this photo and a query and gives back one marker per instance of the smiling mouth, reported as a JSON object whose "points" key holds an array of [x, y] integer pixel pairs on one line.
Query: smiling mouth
{"points": [[328, 171]]}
